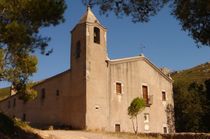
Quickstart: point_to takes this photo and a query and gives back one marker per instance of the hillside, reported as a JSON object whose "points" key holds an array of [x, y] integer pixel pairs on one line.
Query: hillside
{"points": [[16, 129], [199, 74], [191, 89], [4, 92]]}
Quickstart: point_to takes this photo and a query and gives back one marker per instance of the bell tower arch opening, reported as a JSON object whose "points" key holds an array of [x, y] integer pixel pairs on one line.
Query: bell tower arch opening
{"points": [[96, 35]]}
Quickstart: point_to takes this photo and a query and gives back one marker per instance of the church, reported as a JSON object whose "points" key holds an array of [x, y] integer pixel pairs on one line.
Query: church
{"points": [[95, 93]]}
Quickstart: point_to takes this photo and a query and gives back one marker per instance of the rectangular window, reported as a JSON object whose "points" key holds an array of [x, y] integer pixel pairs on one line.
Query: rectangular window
{"points": [[146, 117], [57, 92], [165, 130], [145, 94], [117, 127], [163, 96], [43, 94], [14, 102], [118, 88], [78, 50], [24, 117], [146, 127]]}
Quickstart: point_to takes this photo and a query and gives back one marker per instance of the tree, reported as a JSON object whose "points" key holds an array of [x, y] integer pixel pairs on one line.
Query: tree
{"points": [[193, 15], [136, 106], [20, 23], [195, 18], [206, 118], [190, 107], [170, 118]]}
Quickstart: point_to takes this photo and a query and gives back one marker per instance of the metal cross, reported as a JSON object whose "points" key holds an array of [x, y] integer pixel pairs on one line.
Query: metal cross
{"points": [[142, 47], [89, 3]]}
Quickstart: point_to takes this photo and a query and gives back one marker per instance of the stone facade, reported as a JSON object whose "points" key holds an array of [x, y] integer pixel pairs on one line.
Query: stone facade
{"points": [[95, 92]]}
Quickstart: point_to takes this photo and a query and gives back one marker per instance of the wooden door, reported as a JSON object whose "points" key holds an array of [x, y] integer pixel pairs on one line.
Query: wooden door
{"points": [[145, 94]]}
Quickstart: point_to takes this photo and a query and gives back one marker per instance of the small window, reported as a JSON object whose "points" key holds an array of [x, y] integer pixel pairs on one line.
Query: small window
{"points": [[96, 35], [146, 127], [14, 102], [96, 108], [24, 117], [57, 92], [9, 104], [117, 127], [118, 88], [145, 94], [163, 96], [43, 94], [78, 49], [146, 118], [165, 131]]}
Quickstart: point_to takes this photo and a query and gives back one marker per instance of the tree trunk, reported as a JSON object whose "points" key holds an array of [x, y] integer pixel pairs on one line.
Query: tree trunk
{"points": [[136, 125], [134, 129]]}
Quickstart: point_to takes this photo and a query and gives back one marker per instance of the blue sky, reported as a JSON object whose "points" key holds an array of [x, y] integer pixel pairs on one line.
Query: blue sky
{"points": [[166, 44]]}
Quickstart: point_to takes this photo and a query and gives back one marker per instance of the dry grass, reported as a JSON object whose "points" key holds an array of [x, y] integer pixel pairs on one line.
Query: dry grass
{"points": [[4, 93], [123, 135], [15, 129]]}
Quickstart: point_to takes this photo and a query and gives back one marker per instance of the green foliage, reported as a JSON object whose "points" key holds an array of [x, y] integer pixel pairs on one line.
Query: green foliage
{"points": [[6, 125], [15, 128], [139, 10], [170, 118], [198, 74], [20, 23], [29, 93], [136, 106], [195, 18], [1, 61], [206, 118], [191, 98], [4, 92], [189, 107], [193, 15]]}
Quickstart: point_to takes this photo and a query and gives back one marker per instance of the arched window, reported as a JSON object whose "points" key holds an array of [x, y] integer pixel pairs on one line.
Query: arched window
{"points": [[96, 35], [78, 49]]}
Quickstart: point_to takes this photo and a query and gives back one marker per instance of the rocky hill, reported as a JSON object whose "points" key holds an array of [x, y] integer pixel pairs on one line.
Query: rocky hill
{"points": [[198, 74]]}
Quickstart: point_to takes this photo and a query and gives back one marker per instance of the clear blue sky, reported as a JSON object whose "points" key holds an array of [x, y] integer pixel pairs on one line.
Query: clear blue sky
{"points": [[166, 44]]}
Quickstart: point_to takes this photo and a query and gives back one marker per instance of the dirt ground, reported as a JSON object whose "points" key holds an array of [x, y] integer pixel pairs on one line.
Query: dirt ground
{"points": [[66, 134], [73, 134]]}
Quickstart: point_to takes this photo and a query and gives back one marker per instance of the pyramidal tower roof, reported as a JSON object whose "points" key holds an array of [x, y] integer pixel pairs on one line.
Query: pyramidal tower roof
{"points": [[89, 17]]}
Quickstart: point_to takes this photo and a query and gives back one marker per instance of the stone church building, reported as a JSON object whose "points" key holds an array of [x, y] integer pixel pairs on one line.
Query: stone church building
{"points": [[95, 92]]}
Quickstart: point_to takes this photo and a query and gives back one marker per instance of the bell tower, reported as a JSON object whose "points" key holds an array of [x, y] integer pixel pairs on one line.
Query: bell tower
{"points": [[89, 70], [88, 37]]}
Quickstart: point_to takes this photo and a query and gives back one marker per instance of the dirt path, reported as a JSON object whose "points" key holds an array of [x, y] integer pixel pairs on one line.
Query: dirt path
{"points": [[69, 134], [66, 134]]}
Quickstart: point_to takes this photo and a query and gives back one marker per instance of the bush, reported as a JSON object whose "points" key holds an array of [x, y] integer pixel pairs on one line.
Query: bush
{"points": [[15, 129]]}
